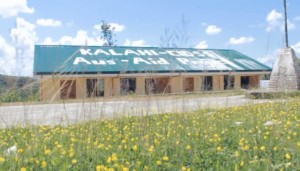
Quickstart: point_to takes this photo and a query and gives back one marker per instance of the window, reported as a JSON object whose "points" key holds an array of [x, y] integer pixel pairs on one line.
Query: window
{"points": [[157, 85], [127, 85], [207, 83], [228, 82], [245, 82], [95, 87], [68, 89]]}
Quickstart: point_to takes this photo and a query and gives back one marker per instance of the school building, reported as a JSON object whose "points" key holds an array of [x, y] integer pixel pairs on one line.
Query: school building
{"points": [[77, 72]]}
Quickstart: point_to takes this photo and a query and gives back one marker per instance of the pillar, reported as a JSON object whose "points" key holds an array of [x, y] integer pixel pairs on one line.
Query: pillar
{"points": [[237, 82], [116, 86], [140, 85], [108, 87], [197, 83], [176, 84]]}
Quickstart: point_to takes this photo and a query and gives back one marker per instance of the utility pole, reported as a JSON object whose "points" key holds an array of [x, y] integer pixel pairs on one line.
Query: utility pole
{"points": [[285, 26]]}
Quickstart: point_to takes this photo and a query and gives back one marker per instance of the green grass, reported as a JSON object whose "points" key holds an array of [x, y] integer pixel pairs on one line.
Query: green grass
{"points": [[252, 137]]}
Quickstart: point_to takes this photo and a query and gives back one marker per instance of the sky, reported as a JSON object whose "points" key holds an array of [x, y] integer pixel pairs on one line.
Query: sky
{"points": [[252, 27]]}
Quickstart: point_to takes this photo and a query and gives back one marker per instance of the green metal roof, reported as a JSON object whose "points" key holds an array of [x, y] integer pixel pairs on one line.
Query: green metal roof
{"points": [[63, 59]]}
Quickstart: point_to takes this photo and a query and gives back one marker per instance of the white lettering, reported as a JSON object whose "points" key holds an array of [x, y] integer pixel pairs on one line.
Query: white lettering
{"points": [[173, 53], [131, 52], [162, 61], [100, 62], [80, 59], [183, 60], [112, 52], [98, 51], [85, 52], [138, 60], [221, 58], [154, 52], [152, 61], [144, 52], [111, 62], [185, 53]]}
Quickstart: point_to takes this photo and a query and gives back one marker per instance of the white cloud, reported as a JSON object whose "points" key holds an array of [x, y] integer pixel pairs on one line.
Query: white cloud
{"points": [[291, 26], [297, 18], [115, 26], [275, 20], [11, 8], [241, 40], [202, 45], [213, 30], [81, 38], [7, 54], [269, 59], [135, 43], [16, 58], [296, 47], [48, 22], [24, 38]]}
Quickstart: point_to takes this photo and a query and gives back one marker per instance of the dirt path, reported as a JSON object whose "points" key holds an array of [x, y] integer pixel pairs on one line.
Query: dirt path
{"points": [[68, 113]]}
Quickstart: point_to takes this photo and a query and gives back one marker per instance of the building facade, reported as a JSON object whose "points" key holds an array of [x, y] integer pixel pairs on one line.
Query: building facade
{"points": [[77, 72]]}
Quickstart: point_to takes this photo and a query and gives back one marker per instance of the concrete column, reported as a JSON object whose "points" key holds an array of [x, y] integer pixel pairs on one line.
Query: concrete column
{"points": [[116, 86], [140, 85], [237, 82], [197, 83], [108, 87], [50, 89], [176, 84], [81, 88], [218, 82]]}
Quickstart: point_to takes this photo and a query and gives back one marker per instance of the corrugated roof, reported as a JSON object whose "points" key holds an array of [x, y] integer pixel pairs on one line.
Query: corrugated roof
{"points": [[62, 59]]}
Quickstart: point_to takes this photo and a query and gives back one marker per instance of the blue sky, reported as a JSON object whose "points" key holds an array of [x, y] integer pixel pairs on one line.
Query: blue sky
{"points": [[251, 27]]}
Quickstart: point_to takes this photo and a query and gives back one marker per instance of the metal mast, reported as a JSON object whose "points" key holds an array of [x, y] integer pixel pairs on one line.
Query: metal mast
{"points": [[285, 25]]}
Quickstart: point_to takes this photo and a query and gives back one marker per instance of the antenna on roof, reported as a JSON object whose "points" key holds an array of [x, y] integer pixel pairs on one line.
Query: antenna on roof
{"points": [[285, 25]]}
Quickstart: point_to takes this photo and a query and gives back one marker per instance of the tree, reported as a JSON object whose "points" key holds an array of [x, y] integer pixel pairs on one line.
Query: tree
{"points": [[107, 34], [178, 37]]}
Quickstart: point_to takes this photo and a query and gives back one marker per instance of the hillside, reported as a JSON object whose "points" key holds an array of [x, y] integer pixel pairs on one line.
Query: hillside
{"points": [[13, 88]]}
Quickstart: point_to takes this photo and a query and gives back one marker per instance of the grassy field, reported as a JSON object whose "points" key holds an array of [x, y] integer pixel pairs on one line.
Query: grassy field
{"points": [[253, 137]]}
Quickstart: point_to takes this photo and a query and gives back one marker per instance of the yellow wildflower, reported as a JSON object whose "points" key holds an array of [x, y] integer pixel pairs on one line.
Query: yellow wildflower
{"points": [[288, 156], [74, 161], [44, 164], [165, 158], [219, 149], [262, 148], [2, 159], [114, 157], [242, 163], [125, 169], [135, 148], [158, 162], [23, 169]]}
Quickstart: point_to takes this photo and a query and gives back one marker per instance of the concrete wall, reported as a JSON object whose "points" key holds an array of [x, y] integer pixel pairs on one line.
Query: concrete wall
{"points": [[116, 86], [218, 82], [237, 82], [140, 85], [197, 83], [176, 84], [50, 87]]}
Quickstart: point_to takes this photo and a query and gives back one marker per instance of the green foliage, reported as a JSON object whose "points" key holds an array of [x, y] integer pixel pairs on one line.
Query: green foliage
{"points": [[18, 89], [272, 94], [254, 137], [107, 34]]}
